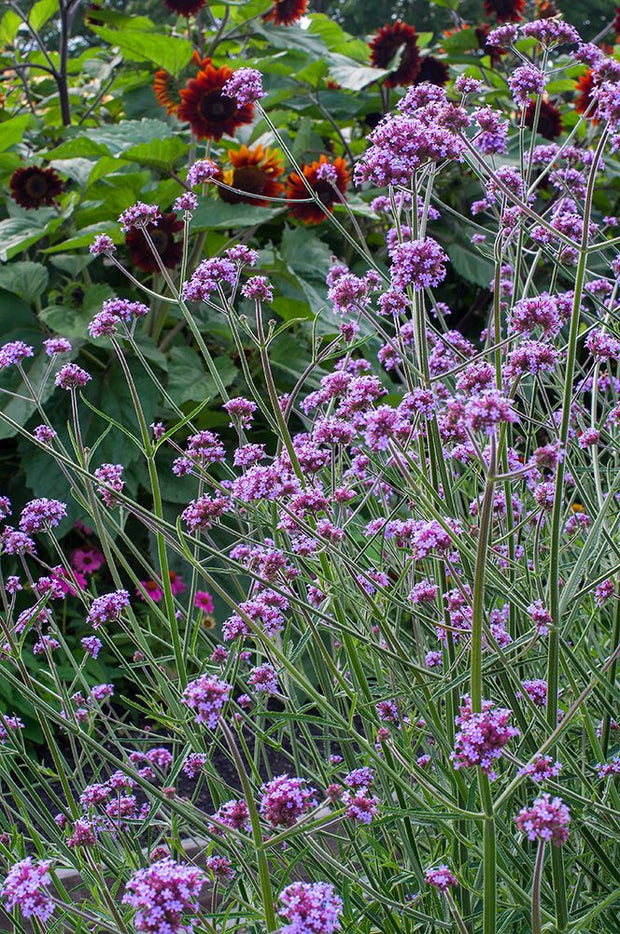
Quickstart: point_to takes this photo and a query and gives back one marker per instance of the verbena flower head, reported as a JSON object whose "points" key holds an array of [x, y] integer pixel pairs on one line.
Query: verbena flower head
{"points": [[481, 736], [310, 908], [440, 878], [107, 608], [245, 86], [102, 245], [56, 345], [139, 215], [42, 514], [547, 819], [541, 768], [25, 887], [284, 800], [14, 352], [71, 377], [163, 895], [204, 170], [206, 696], [419, 263], [524, 82]]}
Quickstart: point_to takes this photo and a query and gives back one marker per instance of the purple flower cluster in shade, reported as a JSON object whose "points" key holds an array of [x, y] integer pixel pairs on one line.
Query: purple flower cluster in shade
{"points": [[42, 514], [547, 819], [107, 608], [233, 814], [206, 696], [425, 131], [209, 277], [139, 215], [194, 764], [360, 806], [605, 769], [284, 800], [14, 352], [112, 476], [25, 887], [263, 679], [56, 345], [536, 691], [541, 768], [310, 908], [245, 86], [201, 172], [163, 895], [524, 82], [71, 377], [114, 311], [418, 263], [481, 736], [9, 723], [440, 878], [102, 245]]}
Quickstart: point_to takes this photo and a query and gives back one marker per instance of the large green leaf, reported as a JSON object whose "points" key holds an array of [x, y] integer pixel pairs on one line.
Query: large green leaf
{"points": [[78, 147], [170, 53], [159, 153], [351, 75], [11, 131], [215, 214], [18, 233], [86, 237], [73, 322], [119, 137], [41, 12], [188, 378], [470, 264], [9, 24], [28, 280]]}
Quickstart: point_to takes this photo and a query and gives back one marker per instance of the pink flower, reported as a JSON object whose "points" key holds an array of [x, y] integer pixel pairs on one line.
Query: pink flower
{"points": [[310, 908], [547, 819], [87, 560], [25, 888], [440, 877], [203, 601]]}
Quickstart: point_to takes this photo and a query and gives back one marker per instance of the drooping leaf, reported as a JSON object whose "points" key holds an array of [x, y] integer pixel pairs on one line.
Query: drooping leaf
{"points": [[351, 75], [159, 153], [119, 137], [470, 264], [28, 280], [18, 233], [167, 52], [11, 131], [41, 12], [214, 214]]}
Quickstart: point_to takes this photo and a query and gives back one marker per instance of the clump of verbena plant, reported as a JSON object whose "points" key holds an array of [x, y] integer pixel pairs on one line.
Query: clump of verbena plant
{"points": [[420, 562]]}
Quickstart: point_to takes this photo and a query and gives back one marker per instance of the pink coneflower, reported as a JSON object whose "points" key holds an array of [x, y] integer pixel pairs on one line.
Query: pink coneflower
{"points": [[203, 601], [87, 560]]}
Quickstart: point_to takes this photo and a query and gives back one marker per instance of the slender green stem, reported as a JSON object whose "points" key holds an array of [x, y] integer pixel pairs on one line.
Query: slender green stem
{"points": [[536, 885]]}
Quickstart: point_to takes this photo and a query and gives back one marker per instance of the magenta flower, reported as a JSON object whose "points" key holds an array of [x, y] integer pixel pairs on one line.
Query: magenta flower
{"points": [[419, 263], [25, 888], [87, 560], [482, 736], [204, 170], [55, 345], [310, 908], [440, 877], [139, 215], [102, 245], [540, 768], [203, 601], [71, 376], [41, 515], [245, 86], [547, 819], [284, 800], [107, 608], [206, 696], [163, 895], [14, 352], [110, 475]]}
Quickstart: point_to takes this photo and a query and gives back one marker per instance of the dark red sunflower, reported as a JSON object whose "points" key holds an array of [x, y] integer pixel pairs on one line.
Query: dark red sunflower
{"points": [[209, 112], [309, 212], [584, 88], [394, 39], [617, 21], [185, 7], [162, 235], [434, 71], [505, 11], [256, 171], [286, 12], [549, 119], [34, 187]]}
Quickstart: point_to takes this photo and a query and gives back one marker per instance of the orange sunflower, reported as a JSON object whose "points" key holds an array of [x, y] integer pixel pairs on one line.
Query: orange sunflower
{"points": [[209, 112], [504, 11], [584, 88], [390, 39], [286, 12], [256, 171], [309, 211], [166, 91]]}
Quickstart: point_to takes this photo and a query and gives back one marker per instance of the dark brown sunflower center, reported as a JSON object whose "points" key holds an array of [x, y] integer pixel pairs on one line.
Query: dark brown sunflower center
{"points": [[161, 240], [249, 178], [37, 187], [217, 108]]}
